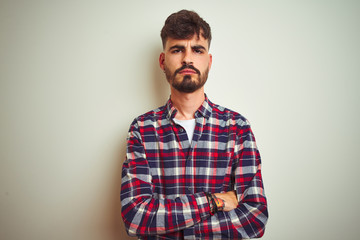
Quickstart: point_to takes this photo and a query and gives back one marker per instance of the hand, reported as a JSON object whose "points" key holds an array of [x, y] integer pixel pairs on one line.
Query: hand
{"points": [[230, 200]]}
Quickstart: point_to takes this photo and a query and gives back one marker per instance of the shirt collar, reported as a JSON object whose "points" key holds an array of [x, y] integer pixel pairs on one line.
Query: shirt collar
{"points": [[204, 110]]}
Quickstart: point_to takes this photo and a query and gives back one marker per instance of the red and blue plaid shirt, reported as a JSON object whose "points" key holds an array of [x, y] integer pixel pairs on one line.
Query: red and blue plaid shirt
{"points": [[165, 177]]}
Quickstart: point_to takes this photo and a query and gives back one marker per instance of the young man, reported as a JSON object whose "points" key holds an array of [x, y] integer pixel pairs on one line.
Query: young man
{"points": [[192, 169]]}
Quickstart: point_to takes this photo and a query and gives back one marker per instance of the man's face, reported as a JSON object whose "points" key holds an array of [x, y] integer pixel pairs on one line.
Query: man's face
{"points": [[186, 63]]}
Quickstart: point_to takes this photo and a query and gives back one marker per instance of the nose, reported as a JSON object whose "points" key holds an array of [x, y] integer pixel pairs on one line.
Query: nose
{"points": [[187, 59]]}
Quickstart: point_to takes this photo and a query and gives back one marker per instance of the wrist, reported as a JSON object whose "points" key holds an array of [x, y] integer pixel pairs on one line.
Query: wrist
{"points": [[220, 203], [216, 204]]}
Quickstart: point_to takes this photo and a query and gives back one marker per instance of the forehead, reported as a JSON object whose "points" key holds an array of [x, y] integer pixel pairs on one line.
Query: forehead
{"points": [[193, 41]]}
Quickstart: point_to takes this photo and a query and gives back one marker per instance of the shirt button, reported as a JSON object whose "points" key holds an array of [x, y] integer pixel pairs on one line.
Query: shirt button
{"points": [[181, 130]]}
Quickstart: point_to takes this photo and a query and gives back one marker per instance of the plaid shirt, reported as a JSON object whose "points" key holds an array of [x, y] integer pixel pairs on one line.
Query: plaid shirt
{"points": [[165, 177]]}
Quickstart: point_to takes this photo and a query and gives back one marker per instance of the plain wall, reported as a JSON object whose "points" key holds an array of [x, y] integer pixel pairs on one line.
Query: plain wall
{"points": [[74, 74]]}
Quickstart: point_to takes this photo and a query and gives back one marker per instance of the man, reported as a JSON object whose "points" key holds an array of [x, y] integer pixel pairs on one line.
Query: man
{"points": [[192, 169]]}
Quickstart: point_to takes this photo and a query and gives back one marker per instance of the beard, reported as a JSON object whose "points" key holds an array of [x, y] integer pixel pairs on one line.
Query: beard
{"points": [[187, 84]]}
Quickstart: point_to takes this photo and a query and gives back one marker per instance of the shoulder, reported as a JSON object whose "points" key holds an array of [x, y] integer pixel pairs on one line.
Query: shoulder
{"points": [[150, 116], [229, 115]]}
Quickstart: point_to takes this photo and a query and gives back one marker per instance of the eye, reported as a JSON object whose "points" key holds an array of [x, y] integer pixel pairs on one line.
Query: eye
{"points": [[200, 51], [176, 51]]}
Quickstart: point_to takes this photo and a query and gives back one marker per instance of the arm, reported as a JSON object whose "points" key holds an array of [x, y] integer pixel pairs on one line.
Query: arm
{"points": [[249, 217], [144, 214]]}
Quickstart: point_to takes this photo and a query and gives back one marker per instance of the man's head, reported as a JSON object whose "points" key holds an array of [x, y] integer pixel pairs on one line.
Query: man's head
{"points": [[185, 60]]}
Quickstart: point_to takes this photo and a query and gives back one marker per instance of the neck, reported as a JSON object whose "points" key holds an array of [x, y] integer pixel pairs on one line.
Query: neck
{"points": [[187, 103]]}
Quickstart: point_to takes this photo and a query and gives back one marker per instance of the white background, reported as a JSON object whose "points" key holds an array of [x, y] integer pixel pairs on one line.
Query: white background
{"points": [[74, 74]]}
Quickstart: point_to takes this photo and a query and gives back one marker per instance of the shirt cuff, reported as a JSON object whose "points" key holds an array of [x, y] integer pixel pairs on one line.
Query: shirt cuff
{"points": [[203, 205]]}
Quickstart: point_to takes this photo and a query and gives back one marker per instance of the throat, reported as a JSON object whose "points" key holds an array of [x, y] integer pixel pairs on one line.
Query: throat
{"points": [[187, 104]]}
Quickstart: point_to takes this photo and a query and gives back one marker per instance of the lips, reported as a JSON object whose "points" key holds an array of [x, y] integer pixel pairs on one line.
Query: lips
{"points": [[187, 71]]}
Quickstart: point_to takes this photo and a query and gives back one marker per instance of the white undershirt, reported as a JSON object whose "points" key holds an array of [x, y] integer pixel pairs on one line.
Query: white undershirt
{"points": [[189, 126]]}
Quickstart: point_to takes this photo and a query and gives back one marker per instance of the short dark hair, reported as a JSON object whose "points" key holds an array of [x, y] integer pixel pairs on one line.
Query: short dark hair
{"points": [[183, 25]]}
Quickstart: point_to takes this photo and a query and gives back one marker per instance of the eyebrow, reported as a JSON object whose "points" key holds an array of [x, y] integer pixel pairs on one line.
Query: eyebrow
{"points": [[183, 47]]}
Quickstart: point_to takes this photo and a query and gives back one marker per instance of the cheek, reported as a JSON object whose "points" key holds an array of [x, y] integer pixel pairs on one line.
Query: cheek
{"points": [[204, 67], [204, 62], [172, 61]]}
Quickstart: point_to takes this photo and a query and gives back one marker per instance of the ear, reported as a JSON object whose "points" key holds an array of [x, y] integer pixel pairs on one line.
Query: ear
{"points": [[210, 61], [162, 61]]}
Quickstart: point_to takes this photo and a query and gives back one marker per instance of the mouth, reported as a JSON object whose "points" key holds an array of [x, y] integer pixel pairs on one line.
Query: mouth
{"points": [[187, 72]]}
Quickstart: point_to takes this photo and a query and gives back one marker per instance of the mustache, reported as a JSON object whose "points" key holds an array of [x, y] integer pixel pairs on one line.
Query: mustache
{"points": [[185, 66]]}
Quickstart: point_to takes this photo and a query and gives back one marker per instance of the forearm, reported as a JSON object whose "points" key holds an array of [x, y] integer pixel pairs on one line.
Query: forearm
{"points": [[245, 219], [145, 214]]}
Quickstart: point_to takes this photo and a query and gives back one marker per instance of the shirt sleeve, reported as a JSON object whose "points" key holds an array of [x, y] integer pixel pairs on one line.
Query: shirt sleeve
{"points": [[144, 214], [250, 217]]}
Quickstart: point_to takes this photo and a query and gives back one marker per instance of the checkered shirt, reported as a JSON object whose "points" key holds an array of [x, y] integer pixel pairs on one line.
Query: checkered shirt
{"points": [[165, 177]]}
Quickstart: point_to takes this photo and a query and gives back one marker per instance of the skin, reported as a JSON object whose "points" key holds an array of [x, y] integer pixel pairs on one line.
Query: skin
{"points": [[193, 51], [178, 52]]}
